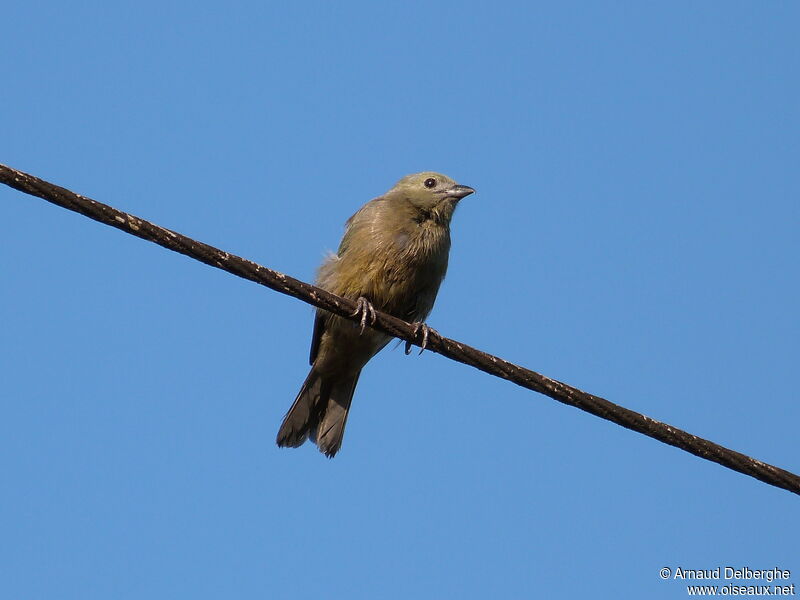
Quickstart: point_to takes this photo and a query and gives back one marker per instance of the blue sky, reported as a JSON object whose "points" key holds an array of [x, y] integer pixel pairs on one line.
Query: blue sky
{"points": [[634, 234]]}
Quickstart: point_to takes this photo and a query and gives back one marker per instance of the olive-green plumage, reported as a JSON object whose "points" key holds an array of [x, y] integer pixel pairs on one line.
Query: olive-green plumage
{"points": [[394, 255]]}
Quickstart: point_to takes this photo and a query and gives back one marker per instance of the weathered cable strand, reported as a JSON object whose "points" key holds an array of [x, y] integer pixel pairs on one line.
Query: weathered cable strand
{"points": [[446, 347]]}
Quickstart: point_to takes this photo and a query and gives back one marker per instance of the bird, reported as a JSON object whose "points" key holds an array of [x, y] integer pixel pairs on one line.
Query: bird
{"points": [[393, 257]]}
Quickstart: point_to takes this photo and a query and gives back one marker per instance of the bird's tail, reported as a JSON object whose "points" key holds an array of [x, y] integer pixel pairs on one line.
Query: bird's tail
{"points": [[319, 412]]}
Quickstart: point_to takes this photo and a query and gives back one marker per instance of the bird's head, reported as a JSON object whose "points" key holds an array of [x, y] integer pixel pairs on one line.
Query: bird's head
{"points": [[430, 192]]}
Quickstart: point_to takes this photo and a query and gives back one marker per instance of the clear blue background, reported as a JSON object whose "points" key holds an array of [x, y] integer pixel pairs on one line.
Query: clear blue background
{"points": [[635, 234]]}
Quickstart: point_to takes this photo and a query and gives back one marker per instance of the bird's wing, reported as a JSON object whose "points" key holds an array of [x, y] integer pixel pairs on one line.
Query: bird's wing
{"points": [[357, 226], [319, 328], [355, 235]]}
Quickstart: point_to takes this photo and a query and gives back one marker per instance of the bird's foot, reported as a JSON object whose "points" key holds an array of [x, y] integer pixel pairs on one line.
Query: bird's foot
{"points": [[365, 309], [421, 329]]}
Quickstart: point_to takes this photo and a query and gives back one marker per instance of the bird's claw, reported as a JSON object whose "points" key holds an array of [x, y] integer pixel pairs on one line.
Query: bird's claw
{"points": [[420, 328], [366, 310]]}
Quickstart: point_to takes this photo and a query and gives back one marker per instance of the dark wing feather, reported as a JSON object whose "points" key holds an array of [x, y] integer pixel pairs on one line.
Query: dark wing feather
{"points": [[319, 328]]}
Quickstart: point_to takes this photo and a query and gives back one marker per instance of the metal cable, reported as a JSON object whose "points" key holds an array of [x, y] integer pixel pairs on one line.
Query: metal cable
{"points": [[398, 328]]}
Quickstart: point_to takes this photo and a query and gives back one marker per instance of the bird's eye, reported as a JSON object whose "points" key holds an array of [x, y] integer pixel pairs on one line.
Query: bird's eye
{"points": [[430, 182]]}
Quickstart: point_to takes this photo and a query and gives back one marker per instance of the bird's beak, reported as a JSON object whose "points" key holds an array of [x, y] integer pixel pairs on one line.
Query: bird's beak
{"points": [[459, 191]]}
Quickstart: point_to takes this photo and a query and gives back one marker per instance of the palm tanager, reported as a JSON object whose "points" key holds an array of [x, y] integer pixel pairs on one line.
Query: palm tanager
{"points": [[393, 257]]}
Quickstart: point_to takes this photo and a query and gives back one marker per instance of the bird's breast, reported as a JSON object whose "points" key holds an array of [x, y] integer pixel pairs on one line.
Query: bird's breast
{"points": [[397, 266]]}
